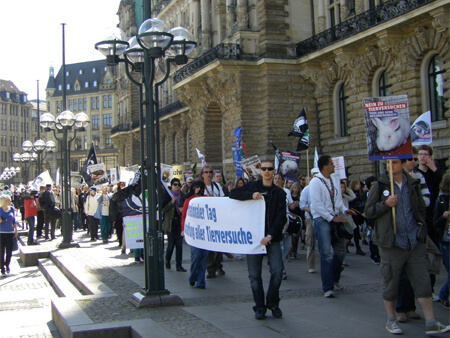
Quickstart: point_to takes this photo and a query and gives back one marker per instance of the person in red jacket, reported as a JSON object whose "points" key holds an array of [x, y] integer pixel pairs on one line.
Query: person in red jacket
{"points": [[30, 214], [198, 256]]}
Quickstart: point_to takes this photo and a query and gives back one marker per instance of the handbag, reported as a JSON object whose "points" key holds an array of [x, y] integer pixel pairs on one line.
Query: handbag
{"points": [[295, 224], [54, 212], [15, 245]]}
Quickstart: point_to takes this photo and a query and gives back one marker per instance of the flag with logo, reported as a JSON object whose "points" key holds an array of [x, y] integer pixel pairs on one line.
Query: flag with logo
{"points": [[237, 147], [301, 130], [421, 131], [90, 160]]}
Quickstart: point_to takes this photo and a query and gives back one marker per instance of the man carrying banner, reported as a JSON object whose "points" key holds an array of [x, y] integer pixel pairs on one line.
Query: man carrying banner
{"points": [[275, 199], [402, 242], [326, 207]]}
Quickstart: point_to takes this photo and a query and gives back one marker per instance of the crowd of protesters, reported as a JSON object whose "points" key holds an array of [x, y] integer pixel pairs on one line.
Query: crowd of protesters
{"points": [[318, 210]]}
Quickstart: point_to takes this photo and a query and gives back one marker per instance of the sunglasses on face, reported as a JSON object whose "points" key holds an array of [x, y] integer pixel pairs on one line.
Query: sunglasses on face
{"points": [[176, 184], [267, 168], [208, 172], [413, 159]]}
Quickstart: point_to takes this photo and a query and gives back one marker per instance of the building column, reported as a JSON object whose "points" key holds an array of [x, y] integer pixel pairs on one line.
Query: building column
{"points": [[231, 17], [242, 15], [206, 26], [196, 19]]}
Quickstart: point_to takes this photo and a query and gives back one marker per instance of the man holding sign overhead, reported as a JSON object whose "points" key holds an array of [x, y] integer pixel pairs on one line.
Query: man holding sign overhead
{"points": [[401, 242]]}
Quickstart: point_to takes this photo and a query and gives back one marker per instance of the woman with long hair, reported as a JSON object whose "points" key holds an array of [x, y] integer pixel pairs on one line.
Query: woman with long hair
{"points": [[198, 256], [8, 231]]}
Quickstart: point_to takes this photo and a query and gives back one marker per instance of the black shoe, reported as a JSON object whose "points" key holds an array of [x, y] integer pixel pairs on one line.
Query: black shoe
{"points": [[211, 275], [276, 312], [168, 266], [260, 314], [191, 283], [360, 252], [7, 269], [221, 272], [181, 269], [364, 242]]}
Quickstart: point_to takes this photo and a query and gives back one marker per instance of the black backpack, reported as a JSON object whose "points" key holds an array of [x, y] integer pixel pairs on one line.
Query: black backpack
{"points": [[44, 200]]}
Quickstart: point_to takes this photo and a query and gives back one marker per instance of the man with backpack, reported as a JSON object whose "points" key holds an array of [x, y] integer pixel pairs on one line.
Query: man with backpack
{"points": [[402, 242]]}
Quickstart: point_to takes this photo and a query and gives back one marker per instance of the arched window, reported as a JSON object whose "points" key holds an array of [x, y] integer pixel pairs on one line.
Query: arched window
{"points": [[343, 119], [384, 85], [436, 88]]}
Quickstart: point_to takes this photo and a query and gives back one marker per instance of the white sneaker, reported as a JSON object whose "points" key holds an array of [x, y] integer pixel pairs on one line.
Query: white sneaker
{"points": [[435, 298], [393, 328], [436, 329], [338, 286], [329, 294], [311, 270]]}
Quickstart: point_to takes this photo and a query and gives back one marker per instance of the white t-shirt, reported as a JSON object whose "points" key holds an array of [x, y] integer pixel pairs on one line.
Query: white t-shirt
{"points": [[214, 190]]}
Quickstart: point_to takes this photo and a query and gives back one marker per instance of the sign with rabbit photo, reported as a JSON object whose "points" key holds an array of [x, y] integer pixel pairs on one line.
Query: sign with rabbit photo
{"points": [[388, 127]]}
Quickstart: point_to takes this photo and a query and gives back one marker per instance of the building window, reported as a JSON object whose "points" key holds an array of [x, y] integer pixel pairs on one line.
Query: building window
{"points": [[384, 85], [86, 84], [93, 70], [77, 87], [109, 101], [107, 121], [59, 87], [67, 73], [343, 119], [80, 71], [70, 105], [67, 86], [96, 140], [78, 144], [94, 83], [84, 103], [105, 101], [436, 88], [108, 141], [334, 10], [95, 122], [104, 69]]}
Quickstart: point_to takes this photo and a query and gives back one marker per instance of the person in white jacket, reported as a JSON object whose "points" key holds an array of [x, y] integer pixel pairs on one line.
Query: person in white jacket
{"points": [[90, 210]]}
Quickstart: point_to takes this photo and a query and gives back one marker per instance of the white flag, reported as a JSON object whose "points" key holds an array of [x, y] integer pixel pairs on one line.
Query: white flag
{"points": [[42, 180], [316, 158], [201, 157], [421, 132]]}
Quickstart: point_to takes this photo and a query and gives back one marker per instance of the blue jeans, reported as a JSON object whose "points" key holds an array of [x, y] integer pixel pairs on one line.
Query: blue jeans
{"points": [[198, 266], [330, 264], [30, 221], [254, 264], [286, 245], [445, 249]]}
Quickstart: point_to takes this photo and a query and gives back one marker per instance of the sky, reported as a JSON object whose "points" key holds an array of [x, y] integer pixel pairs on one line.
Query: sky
{"points": [[32, 37]]}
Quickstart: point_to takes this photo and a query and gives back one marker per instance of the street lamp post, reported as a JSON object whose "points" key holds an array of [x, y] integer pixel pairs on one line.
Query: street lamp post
{"points": [[25, 158], [64, 123], [151, 43], [39, 146]]}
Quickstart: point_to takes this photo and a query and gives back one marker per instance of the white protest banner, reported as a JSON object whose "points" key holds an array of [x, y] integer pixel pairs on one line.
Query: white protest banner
{"points": [[134, 233], [421, 132], [339, 167], [225, 225]]}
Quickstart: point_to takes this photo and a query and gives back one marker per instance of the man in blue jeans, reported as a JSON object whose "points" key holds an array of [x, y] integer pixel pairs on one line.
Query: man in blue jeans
{"points": [[275, 199], [326, 209]]}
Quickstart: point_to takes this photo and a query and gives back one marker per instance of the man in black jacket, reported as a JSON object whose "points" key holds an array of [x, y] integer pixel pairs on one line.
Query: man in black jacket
{"points": [[275, 199]]}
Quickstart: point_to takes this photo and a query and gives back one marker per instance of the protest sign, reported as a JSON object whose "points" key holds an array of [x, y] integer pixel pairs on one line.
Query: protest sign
{"points": [[289, 164], [339, 167], [387, 127], [113, 176], [252, 166], [421, 132], [133, 232], [178, 172], [98, 173], [211, 226]]}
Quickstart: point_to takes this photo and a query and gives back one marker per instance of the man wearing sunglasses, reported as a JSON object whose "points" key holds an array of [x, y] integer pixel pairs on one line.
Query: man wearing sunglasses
{"points": [[275, 199]]}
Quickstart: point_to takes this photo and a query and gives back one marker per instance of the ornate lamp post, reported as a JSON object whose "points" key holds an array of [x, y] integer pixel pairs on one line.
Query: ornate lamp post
{"points": [[152, 42], [25, 158], [64, 123], [39, 146]]}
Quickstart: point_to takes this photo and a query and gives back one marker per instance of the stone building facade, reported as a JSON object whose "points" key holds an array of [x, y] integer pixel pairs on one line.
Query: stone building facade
{"points": [[90, 88], [15, 127], [258, 63]]}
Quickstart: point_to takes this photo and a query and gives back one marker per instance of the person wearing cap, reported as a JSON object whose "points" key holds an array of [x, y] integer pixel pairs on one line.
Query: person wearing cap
{"points": [[172, 206], [90, 210], [310, 238]]}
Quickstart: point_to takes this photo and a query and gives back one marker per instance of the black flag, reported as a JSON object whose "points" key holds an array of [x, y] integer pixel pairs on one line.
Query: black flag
{"points": [[90, 160], [301, 129]]}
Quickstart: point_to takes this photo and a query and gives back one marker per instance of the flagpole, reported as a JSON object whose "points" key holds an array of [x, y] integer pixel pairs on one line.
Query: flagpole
{"points": [[307, 162]]}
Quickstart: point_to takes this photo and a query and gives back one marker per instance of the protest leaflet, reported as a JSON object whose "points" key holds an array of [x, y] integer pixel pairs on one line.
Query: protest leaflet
{"points": [[211, 226], [252, 167], [387, 127], [133, 232], [339, 167]]}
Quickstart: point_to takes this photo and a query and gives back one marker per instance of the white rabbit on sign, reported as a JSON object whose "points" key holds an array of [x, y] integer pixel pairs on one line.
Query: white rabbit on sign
{"points": [[392, 132]]}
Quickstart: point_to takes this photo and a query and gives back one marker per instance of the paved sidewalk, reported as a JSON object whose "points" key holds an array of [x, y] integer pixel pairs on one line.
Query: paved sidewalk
{"points": [[223, 309]]}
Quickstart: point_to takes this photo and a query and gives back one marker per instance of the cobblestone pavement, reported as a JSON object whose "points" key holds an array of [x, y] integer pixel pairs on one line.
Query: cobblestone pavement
{"points": [[26, 295]]}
